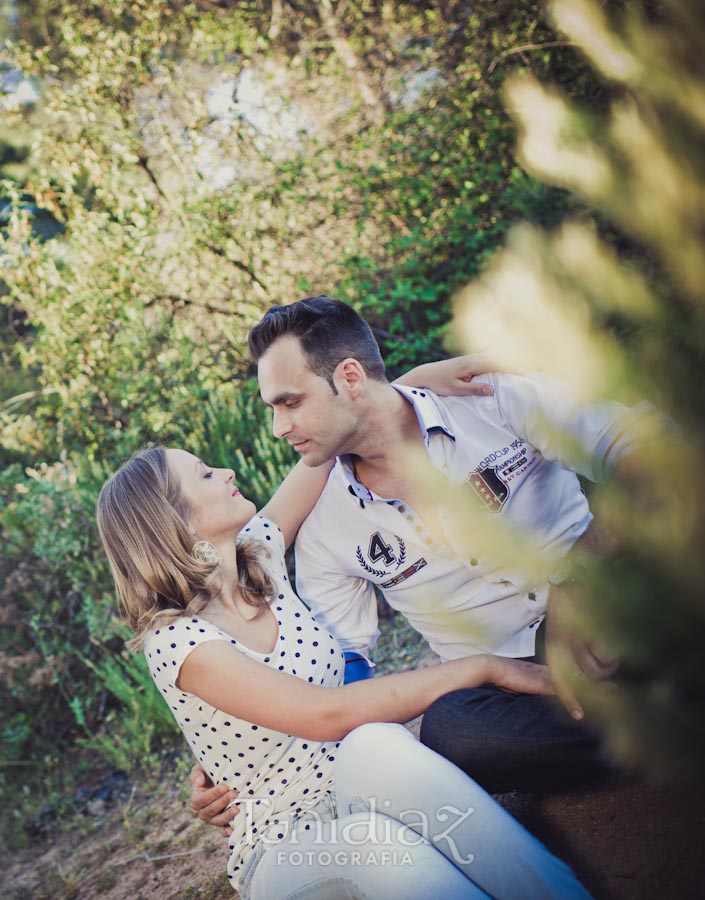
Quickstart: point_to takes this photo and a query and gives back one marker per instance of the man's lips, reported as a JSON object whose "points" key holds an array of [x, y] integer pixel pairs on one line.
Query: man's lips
{"points": [[235, 492], [297, 445]]}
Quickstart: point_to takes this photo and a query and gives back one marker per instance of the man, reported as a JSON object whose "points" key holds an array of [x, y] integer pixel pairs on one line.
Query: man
{"points": [[516, 452]]}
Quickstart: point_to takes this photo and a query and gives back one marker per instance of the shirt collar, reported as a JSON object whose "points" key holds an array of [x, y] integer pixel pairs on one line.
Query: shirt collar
{"points": [[428, 412], [431, 423], [358, 490]]}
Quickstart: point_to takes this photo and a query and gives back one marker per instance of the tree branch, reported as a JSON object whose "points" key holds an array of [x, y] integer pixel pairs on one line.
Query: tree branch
{"points": [[177, 300], [218, 251], [524, 47]]}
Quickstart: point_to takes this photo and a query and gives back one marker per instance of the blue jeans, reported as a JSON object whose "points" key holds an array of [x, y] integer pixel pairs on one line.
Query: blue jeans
{"points": [[409, 824], [513, 741], [357, 667]]}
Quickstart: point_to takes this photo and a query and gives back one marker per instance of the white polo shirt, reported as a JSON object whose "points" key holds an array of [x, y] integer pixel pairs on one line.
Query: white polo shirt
{"points": [[517, 452]]}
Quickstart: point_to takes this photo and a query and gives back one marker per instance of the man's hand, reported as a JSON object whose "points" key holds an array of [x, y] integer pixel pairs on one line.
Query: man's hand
{"points": [[455, 377], [570, 659], [210, 802]]}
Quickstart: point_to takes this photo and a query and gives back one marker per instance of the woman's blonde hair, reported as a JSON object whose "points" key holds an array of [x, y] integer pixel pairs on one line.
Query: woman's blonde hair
{"points": [[143, 520]]}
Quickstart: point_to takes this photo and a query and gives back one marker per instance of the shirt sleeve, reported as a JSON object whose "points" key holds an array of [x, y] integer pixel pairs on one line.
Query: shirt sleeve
{"points": [[167, 647], [590, 439], [344, 604]]}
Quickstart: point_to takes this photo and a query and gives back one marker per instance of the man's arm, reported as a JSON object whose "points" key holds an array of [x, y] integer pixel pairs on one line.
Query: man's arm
{"points": [[599, 440], [569, 656], [641, 478], [589, 437]]}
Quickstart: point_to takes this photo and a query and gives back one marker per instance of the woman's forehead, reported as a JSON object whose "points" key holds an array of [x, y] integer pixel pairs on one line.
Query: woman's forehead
{"points": [[181, 460]]}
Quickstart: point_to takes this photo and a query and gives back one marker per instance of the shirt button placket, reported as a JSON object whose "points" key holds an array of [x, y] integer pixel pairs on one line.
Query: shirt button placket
{"points": [[415, 522]]}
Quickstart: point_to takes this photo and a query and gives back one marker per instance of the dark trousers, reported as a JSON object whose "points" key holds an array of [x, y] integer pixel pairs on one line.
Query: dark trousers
{"points": [[513, 741]]}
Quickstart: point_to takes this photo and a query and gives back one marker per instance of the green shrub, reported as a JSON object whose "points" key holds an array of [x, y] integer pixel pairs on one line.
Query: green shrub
{"points": [[57, 604]]}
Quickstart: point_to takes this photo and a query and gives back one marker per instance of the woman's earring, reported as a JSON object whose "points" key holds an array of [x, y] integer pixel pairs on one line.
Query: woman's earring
{"points": [[206, 552]]}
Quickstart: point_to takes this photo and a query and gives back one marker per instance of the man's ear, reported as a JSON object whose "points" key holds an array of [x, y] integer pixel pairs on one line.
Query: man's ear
{"points": [[350, 377]]}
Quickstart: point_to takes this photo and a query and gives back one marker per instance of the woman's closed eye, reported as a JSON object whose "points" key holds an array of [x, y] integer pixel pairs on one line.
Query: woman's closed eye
{"points": [[207, 473]]}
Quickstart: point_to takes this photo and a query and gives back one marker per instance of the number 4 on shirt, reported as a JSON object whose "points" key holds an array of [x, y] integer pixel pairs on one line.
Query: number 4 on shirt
{"points": [[379, 549]]}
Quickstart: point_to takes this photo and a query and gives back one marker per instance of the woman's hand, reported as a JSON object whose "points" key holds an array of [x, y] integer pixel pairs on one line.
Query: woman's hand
{"points": [[211, 803], [455, 377], [519, 676]]}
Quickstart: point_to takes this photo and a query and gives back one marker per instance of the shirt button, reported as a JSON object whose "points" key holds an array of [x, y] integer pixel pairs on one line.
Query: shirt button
{"points": [[532, 595], [473, 561], [402, 509]]}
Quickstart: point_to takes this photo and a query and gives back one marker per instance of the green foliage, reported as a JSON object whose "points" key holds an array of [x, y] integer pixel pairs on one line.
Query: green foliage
{"points": [[140, 724], [445, 187], [57, 601], [61, 638]]}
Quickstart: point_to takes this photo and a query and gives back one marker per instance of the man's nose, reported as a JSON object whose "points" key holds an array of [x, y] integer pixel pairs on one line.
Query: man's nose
{"points": [[281, 423]]}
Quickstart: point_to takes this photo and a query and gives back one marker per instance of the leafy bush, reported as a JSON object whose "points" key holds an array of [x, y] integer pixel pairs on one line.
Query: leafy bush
{"points": [[443, 187], [57, 605]]}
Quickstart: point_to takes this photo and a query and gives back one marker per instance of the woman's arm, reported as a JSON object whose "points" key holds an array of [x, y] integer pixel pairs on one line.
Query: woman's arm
{"points": [[227, 679], [455, 377], [295, 497]]}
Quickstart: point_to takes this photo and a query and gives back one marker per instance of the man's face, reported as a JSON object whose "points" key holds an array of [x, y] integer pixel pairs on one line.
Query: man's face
{"points": [[318, 423]]}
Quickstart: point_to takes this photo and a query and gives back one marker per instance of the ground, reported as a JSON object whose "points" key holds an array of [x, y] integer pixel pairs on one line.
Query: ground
{"points": [[629, 841]]}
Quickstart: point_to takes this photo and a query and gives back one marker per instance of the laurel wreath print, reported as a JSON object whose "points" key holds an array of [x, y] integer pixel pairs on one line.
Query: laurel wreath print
{"points": [[361, 559], [402, 552], [381, 573]]}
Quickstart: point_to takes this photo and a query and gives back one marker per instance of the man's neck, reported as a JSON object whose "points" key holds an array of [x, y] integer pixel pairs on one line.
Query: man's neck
{"points": [[383, 461], [391, 430]]}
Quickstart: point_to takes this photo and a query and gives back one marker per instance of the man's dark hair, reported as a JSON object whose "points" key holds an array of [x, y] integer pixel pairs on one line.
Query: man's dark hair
{"points": [[329, 331]]}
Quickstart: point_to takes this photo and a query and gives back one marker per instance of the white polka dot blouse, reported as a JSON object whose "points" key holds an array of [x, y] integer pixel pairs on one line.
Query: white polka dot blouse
{"points": [[278, 776]]}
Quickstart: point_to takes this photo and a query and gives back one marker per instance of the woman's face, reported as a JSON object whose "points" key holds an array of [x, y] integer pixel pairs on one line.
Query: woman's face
{"points": [[218, 509]]}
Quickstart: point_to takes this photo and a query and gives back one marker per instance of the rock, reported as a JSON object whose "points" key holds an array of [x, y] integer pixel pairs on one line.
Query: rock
{"points": [[414, 85], [16, 90], [220, 99]]}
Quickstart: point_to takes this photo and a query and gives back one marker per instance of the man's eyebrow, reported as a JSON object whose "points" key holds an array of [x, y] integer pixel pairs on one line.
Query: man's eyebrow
{"points": [[283, 398]]}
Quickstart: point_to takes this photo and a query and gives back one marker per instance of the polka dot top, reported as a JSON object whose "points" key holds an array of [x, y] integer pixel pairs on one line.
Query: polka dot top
{"points": [[278, 776]]}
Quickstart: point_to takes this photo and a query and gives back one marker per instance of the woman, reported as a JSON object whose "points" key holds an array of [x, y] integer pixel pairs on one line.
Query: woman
{"points": [[254, 684]]}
